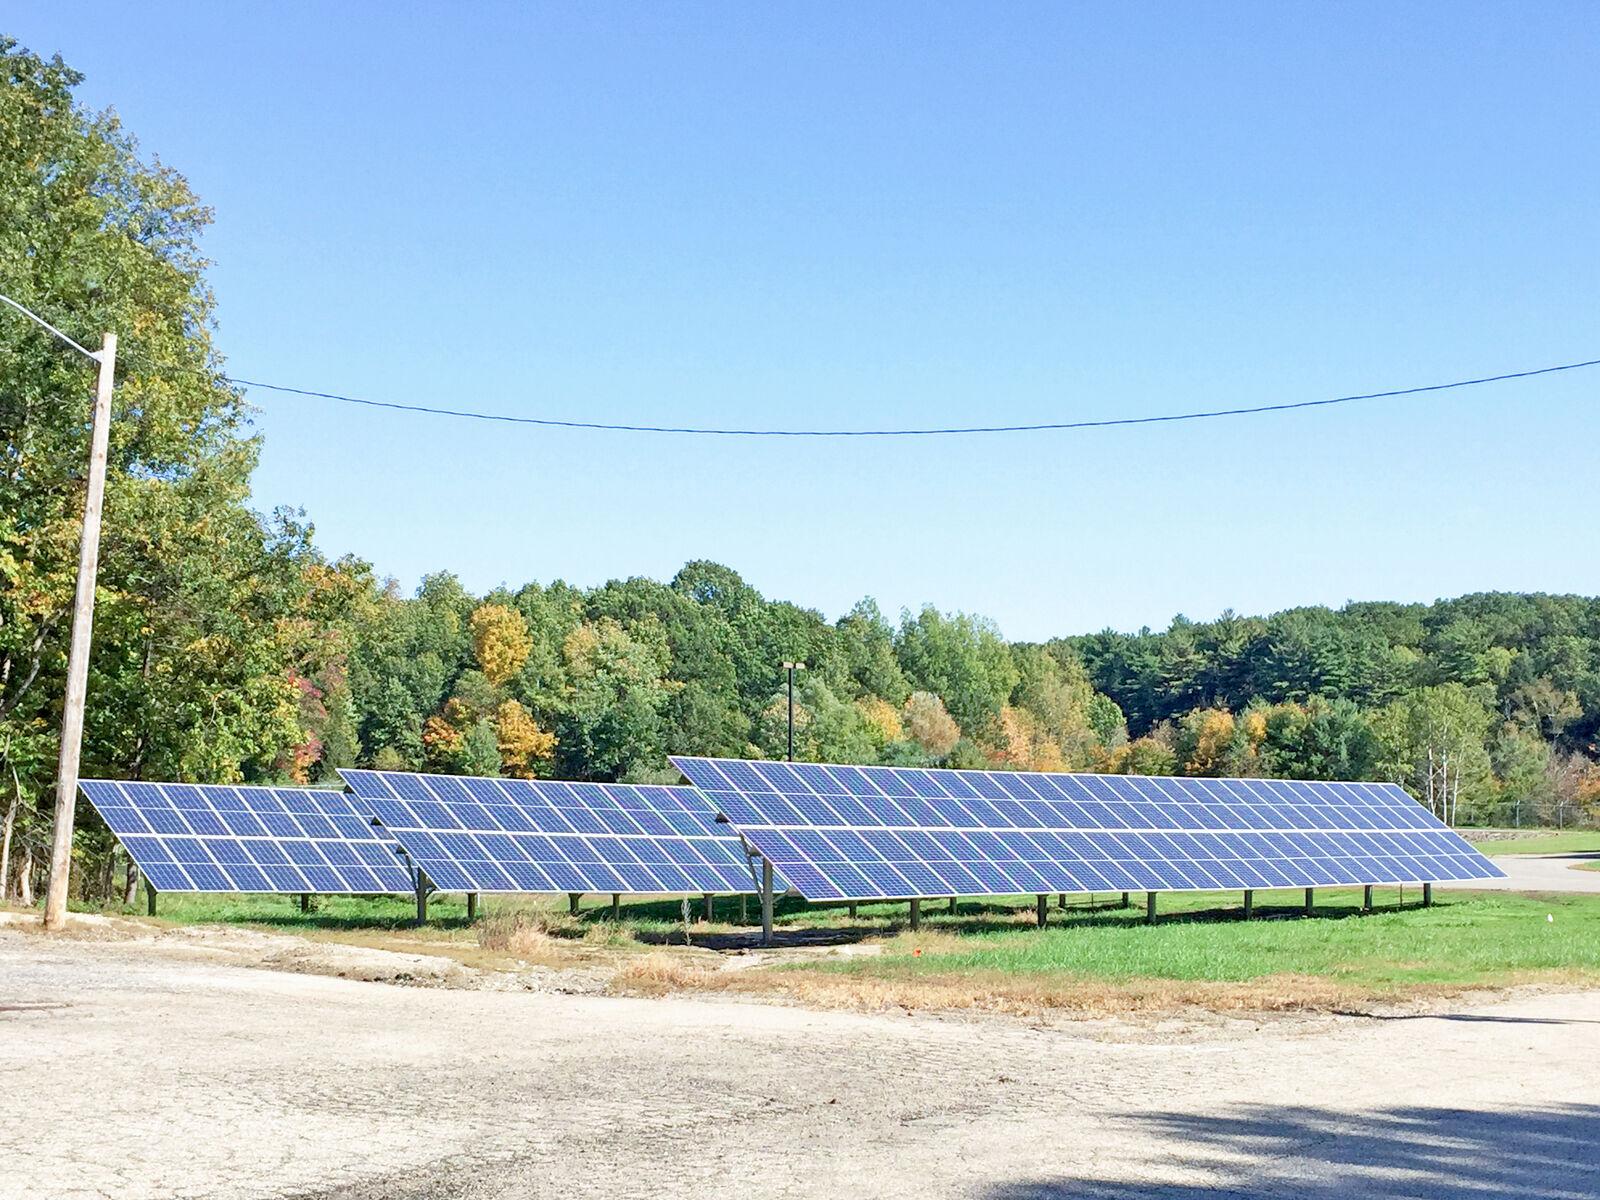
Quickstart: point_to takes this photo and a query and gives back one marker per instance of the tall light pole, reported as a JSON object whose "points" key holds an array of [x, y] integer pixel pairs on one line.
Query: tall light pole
{"points": [[791, 668], [55, 904]]}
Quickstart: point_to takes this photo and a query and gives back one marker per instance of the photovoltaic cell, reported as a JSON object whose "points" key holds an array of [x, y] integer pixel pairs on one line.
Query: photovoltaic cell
{"points": [[515, 835], [188, 837], [859, 833]]}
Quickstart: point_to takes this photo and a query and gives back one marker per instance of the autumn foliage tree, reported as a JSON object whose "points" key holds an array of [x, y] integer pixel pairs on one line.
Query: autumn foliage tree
{"points": [[928, 723], [525, 749], [501, 642]]}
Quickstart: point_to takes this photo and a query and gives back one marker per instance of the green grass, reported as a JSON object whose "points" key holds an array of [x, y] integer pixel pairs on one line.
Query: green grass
{"points": [[1577, 841], [447, 913], [328, 912], [991, 950], [1462, 940]]}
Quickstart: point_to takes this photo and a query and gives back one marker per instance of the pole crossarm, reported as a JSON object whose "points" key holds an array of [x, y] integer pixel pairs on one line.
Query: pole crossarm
{"points": [[45, 325]]}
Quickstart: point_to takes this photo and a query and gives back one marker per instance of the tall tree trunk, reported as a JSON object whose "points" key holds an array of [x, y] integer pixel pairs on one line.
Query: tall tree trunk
{"points": [[130, 883], [5, 836], [25, 877]]}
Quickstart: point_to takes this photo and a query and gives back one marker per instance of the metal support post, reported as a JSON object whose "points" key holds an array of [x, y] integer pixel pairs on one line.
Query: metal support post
{"points": [[305, 902], [711, 912], [1249, 902], [1427, 895], [422, 898], [1309, 891], [1366, 898], [916, 915], [952, 906], [616, 906], [1149, 908], [850, 910], [766, 903], [472, 906], [1124, 899], [1061, 900], [1042, 904], [149, 899], [572, 903]]}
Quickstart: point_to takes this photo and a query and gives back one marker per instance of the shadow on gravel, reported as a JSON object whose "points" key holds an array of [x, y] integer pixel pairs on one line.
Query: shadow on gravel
{"points": [[1468, 1017], [1317, 1154]]}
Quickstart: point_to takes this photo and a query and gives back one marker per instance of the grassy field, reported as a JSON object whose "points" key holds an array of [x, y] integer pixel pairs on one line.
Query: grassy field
{"points": [[989, 954], [1460, 940], [1109, 961], [1579, 841]]}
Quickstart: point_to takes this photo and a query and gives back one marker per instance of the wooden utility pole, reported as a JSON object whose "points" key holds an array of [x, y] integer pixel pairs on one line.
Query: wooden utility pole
{"points": [[55, 905]]}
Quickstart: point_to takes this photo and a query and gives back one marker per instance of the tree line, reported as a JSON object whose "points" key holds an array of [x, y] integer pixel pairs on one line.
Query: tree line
{"points": [[229, 648]]}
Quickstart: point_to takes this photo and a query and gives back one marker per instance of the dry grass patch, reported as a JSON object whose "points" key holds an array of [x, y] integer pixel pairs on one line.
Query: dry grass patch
{"points": [[658, 974], [537, 938], [1004, 994], [544, 939], [511, 929]]}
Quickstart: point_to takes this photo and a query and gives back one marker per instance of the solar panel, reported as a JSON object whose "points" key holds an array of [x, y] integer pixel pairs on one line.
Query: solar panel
{"points": [[516, 835], [188, 837], [858, 833]]}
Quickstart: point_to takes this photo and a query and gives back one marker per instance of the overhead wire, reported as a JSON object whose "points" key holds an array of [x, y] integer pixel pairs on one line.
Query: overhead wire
{"points": [[931, 431], [934, 431]]}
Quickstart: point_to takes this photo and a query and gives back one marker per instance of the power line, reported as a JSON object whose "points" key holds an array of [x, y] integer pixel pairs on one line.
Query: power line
{"points": [[549, 422], [944, 431]]}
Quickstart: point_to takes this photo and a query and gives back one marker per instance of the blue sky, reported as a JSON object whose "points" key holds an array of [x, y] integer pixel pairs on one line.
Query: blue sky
{"points": [[876, 215]]}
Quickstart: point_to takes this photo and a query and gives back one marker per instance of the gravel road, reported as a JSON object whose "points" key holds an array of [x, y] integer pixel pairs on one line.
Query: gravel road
{"points": [[137, 1070], [1539, 873]]}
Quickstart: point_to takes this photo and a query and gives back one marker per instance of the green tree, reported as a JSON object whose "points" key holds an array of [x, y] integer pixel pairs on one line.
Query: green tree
{"points": [[827, 728], [480, 749], [191, 674], [1433, 741], [866, 642], [618, 692], [1321, 739], [961, 659], [1055, 691]]}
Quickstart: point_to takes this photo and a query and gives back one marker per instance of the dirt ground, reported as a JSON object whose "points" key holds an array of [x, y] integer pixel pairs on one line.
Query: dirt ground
{"points": [[210, 1065]]}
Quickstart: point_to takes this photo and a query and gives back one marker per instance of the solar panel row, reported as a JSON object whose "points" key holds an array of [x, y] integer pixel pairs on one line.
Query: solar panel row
{"points": [[842, 832], [776, 793], [214, 838], [848, 864], [833, 832], [516, 835]]}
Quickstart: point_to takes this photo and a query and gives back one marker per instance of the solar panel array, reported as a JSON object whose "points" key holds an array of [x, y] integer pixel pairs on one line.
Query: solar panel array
{"points": [[212, 838], [516, 835], [858, 833]]}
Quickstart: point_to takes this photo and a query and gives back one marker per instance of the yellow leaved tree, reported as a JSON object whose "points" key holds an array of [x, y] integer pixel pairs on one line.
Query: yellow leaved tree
{"points": [[524, 747], [500, 640], [883, 720]]}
